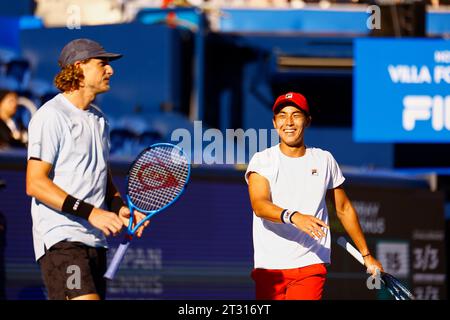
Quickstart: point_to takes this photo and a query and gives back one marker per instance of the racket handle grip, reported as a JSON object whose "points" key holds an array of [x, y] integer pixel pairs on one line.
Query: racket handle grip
{"points": [[117, 259], [350, 249]]}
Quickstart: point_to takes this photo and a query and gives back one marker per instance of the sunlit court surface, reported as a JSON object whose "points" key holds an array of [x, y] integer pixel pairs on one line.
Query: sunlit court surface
{"points": [[235, 142]]}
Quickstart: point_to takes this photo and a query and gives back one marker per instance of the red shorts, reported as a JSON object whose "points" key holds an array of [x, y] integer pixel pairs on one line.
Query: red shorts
{"points": [[304, 283]]}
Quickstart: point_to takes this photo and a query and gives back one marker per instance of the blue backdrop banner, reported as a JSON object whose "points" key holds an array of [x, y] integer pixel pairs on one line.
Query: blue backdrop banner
{"points": [[401, 90]]}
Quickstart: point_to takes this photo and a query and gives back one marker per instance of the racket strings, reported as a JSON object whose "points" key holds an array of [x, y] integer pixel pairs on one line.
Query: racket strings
{"points": [[150, 199], [157, 197], [396, 288], [157, 177]]}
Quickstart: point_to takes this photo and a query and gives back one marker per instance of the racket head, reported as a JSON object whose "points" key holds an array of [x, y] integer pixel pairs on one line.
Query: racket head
{"points": [[396, 288], [157, 178]]}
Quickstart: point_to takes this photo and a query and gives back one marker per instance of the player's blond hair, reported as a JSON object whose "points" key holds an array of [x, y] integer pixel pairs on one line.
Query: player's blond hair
{"points": [[70, 77]]}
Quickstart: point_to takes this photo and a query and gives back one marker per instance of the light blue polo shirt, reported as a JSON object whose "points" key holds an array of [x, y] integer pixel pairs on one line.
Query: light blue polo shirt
{"points": [[76, 143]]}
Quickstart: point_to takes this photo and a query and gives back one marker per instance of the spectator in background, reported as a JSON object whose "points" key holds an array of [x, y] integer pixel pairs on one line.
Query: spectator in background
{"points": [[11, 134]]}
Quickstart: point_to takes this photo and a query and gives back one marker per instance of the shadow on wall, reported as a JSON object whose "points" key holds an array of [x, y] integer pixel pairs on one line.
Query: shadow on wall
{"points": [[2, 250], [2, 256]]}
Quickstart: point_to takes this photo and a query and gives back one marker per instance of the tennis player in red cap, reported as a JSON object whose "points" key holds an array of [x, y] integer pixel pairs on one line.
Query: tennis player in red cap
{"points": [[288, 184]]}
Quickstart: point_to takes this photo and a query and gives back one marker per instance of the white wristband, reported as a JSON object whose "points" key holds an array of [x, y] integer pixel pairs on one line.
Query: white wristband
{"points": [[286, 216]]}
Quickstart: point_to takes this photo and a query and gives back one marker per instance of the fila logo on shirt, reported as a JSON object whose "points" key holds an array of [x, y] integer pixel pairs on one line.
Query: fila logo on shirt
{"points": [[314, 172]]}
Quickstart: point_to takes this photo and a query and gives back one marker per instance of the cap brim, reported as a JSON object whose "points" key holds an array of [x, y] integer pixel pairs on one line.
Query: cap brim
{"points": [[109, 56], [285, 102]]}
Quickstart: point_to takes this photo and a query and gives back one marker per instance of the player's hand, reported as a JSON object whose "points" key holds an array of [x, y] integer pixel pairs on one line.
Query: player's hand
{"points": [[124, 215], [310, 225], [106, 221], [373, 265]]}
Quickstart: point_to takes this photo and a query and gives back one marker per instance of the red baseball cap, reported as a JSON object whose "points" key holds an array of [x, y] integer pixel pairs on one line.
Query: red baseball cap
{"points": [[291, 98]]}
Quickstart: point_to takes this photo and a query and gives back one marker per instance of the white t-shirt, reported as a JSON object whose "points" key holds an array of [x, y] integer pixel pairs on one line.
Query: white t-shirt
{"points": [[76, 143], [299, 184]]}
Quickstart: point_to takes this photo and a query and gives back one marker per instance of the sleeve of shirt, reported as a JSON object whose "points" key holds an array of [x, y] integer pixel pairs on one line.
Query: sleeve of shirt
{"points": [[44, 137], [258, 165], [336, 177]]}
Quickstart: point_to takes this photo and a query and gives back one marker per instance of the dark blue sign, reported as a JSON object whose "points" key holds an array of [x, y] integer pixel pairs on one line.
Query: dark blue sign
{"points": [[402, 90]]}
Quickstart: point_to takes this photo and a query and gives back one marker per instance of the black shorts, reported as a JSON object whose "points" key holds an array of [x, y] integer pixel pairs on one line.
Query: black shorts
{"points": [[73, 269]]}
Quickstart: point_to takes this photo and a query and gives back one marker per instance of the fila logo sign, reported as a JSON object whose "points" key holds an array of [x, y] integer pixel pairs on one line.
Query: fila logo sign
{"points": [[426, 108]]}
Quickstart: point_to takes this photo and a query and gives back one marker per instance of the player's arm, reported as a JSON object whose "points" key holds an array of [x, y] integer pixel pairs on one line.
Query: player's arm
{"points": [[41, 187], [116, 204], [346, 213], [113, 198], [259, 191]]}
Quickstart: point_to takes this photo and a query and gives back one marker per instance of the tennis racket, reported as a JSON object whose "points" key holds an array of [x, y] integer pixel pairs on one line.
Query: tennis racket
{"points": [[392, 284], [156, 179]]}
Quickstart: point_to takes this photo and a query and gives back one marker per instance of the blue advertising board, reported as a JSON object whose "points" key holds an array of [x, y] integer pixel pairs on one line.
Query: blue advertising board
{"points": [[402, 90]]}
